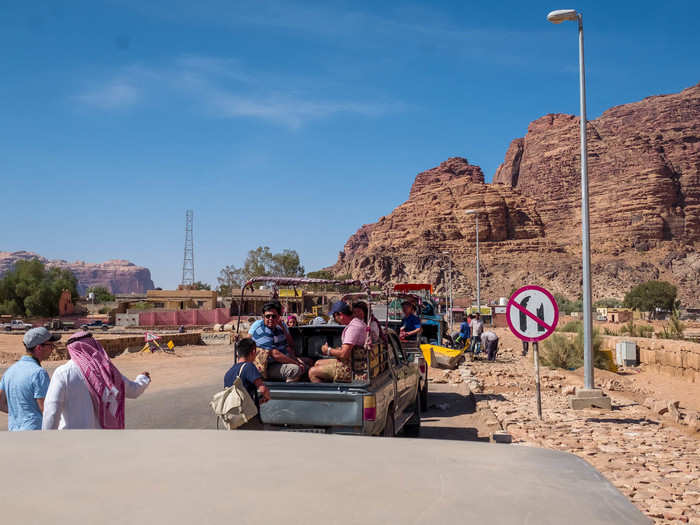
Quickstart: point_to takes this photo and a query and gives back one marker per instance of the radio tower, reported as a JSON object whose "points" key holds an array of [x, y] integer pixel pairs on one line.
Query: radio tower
{"points": [[188, 260]]}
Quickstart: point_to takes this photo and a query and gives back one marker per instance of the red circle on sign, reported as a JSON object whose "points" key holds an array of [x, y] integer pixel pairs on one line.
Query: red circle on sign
{"points": [[549, 329]]}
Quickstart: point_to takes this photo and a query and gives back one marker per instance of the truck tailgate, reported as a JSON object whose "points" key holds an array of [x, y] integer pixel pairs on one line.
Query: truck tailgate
{"points": [[292, 404]]}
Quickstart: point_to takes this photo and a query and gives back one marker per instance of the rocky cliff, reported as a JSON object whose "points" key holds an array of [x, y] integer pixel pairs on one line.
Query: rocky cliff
{"points": [[117, 275], [644, 170]]}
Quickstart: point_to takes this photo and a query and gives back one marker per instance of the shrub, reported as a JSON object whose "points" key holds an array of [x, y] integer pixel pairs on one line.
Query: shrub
{"points": [[673, 329], [560, 351], [571, 327], [104, 310], [637, 330], [609, 331]]}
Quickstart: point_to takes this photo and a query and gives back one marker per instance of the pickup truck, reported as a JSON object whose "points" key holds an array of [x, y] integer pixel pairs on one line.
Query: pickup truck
{"points": [[414, 355], [16, 325], [382, 399]]}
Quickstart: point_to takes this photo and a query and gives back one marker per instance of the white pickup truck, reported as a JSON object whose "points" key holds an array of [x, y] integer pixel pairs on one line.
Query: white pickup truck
{"points": [[16, 324]]}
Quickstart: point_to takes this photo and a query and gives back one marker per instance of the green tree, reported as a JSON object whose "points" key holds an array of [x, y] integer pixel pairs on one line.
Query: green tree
{"points": [[230, 278], [102, 295], [649, 296], [320, 274], [566, 306], [30, 289], [608, 302], [260, 261], [287, 264], [199, 285]]}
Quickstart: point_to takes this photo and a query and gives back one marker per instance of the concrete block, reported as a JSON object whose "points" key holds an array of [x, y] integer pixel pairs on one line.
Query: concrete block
{"points": [[590, 398], [501, 437]]}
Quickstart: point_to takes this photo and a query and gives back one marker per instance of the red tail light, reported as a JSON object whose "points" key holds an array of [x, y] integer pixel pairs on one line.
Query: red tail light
{"points": [[370, 408], [423, 368]]}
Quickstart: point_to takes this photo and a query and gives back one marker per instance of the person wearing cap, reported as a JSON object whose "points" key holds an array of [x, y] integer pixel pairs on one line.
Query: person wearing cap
{"points": [[89, 392], [410, 324], [337, 367], [23, 386]]}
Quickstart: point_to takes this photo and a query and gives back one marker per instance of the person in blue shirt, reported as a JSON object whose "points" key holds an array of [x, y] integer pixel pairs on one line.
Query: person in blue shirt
{"points": [[251, 378], [410, 324], [270, 333], [464, 332], [24, 385]]}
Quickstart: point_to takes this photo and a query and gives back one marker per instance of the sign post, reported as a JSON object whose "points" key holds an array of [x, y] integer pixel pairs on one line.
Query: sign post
{"points": [[532, 315]]}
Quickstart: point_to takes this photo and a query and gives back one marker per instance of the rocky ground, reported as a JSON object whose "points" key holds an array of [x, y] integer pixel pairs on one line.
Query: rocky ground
{"points": [[650, 453]]}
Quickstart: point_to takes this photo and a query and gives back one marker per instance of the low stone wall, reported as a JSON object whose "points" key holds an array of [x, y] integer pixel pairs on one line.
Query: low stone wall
{"points": [[666, 356], [115, 346]]}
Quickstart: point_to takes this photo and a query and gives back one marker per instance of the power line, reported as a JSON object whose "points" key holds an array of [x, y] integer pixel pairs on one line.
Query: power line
{"points": [[188, 260]]}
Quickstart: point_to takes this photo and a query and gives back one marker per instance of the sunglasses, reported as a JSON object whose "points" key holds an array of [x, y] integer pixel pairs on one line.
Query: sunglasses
{"points": [[271, 316]]}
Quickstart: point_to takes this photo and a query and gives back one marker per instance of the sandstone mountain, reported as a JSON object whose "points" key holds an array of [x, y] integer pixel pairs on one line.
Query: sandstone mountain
{"points": [[117, 275], [644, 171]]}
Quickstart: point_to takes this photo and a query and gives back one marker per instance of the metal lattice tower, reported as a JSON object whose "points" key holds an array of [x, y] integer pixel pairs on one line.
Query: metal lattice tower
{"points": [[188, 260]]}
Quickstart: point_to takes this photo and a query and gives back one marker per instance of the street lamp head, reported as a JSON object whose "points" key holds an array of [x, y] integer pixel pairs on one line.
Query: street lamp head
{"points": [[562, 15], [470, 212]]}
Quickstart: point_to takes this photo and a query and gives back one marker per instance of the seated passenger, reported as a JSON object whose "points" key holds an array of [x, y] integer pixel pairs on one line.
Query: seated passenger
{"points": [[339, 368], [292, 321], [410, 324], [270, 333], [360, 310]]}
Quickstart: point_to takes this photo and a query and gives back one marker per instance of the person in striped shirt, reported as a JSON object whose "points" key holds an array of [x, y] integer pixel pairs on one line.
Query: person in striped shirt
{"points": [[270, 333]]}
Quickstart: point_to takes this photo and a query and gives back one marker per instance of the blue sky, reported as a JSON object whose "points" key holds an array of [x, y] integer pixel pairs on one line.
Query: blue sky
{"points": [[286, 123]]}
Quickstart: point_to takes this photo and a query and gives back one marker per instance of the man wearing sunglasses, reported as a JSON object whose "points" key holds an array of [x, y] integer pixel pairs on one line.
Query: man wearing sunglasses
{"points": [[271, 334], [23, 386]]}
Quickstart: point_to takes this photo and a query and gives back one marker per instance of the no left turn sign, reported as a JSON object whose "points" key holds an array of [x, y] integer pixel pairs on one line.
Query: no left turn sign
{"points": [[532, 313]]}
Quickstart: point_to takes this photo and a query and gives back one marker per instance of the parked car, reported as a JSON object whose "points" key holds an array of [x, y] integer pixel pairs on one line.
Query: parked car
{"points": [[16, 324], [93, 325]]}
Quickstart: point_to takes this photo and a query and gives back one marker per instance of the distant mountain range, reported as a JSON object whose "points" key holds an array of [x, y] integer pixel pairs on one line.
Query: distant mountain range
{"points": [[118, 276]]}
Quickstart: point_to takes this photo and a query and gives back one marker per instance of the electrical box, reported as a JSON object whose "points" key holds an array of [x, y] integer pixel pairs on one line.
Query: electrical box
{"points": [[626, 353]]}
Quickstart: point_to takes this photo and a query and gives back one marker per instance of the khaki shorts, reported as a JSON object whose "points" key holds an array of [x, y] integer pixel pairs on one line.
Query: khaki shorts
{"points": [[335, 371]]}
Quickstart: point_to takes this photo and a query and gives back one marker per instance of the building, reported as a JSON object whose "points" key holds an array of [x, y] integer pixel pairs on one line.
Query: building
{"points": [[182, 299], [616, 315]]}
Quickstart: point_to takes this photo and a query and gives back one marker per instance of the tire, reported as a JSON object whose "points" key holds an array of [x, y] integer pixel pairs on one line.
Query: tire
{"points": [[389, 430], [412, 426], [424, 397]]}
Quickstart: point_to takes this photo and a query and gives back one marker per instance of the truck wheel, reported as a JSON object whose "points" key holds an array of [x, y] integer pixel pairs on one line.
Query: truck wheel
{"points": [[389, 424], [412, 426], [424, 397]]}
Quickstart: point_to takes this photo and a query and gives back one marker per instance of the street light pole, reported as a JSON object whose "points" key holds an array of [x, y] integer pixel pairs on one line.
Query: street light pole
{"points": [[448, 299], [478, 282], [557, 17]]}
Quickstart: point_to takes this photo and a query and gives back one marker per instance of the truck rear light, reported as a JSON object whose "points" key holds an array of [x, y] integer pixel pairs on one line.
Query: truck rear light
{"points": [[423, 368], [370, 408]]}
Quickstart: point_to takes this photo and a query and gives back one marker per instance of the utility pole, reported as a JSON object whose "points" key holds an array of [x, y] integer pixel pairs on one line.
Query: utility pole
{"points": [[188, 259]]}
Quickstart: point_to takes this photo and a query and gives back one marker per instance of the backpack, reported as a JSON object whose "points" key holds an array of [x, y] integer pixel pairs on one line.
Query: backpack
{"points": [[233, 405]]}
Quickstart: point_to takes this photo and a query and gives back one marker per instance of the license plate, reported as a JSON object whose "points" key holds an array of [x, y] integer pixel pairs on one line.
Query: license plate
{"points": [[307, 430]]}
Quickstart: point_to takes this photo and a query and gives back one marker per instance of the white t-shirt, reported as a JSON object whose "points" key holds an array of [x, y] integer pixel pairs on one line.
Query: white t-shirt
{"points": [[477, 326], [68, 404]]}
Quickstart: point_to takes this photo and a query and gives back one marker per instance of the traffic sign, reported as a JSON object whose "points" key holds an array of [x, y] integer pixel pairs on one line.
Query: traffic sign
{"points": [[532, 313]]}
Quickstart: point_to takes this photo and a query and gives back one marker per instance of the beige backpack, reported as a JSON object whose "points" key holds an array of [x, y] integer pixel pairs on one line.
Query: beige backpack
{"points": [[233, 406]]}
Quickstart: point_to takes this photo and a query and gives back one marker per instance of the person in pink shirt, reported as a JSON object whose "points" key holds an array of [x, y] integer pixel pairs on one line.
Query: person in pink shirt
{"points": [[337, 368]]}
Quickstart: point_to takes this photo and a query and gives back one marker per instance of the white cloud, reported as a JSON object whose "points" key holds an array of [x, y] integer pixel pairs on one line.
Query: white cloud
{"points": [[112, 95], [221, 88]]}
